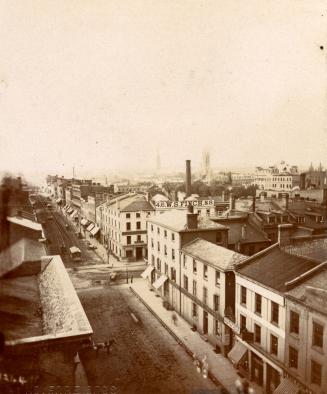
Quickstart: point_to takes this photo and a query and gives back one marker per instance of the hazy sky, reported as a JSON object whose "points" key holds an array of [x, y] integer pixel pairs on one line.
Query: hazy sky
{"points": [[101, 84]]}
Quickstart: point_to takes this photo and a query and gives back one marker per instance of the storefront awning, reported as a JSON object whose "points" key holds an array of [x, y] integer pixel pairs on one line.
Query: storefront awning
{"points": [[237, 353], [84, 222], [58, 201], [287, 387], [95, 230], [70, 210], [65, 207], [75, 213], [90, 227], [147, 271], [159, 282]]}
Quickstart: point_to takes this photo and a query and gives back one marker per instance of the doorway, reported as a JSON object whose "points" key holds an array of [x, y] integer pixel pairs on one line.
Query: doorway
{"points": [[205, 322], [139, 253]]}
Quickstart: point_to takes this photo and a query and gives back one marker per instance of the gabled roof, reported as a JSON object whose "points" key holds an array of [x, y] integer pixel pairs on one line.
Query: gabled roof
{"points": [[139, 205], [274, 267], [222, 258]]}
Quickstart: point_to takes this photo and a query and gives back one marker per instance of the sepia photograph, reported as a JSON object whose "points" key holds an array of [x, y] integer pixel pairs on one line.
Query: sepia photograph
{"points": [[163, 197]]}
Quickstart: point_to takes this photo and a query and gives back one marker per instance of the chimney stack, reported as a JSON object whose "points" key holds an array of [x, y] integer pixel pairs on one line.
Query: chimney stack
{"points": [[192, 221], [231, 201], [284, 234], [188, 178], [253, 204]]}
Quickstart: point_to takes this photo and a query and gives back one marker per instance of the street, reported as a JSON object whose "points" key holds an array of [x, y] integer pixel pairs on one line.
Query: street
{"points": [[145, 357]]}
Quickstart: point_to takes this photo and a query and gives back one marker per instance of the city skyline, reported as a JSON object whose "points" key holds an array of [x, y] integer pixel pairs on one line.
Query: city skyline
{"points": [[100, 85]]}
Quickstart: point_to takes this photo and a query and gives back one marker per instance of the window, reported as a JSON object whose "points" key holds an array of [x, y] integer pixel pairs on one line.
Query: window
{"points": [[152, 227], [138, 225], [273, 345], [315, 373], [205, 271], [294, 322], [217, 278], [218, 237], [217, 328], [317, 335], [152, 243], [258, 301], [165, 250], [185, 282], [216, 302], [165, 233], [128, 239], [184, 261], [158, 230], [205, 295], [257, 333], [173, 273], [274, 312], [138, 215], [172, 236], [158, 246], [128, 215], [194, 287], [166, 269], [139, 239], [292, 357], [152, 259], [194, 266], [242, 323], [243, 295], [158, 264], [173, 254], [194, 309], [128, 226]]}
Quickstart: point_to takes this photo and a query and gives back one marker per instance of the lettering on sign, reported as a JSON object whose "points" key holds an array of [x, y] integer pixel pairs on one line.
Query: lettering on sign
{"points": [[185, 204]]}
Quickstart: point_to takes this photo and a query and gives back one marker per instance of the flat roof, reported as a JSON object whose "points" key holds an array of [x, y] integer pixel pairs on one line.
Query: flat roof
{"points": [[216, 255], [315, 249], [25, 222], [274, 267], [177, 221]]}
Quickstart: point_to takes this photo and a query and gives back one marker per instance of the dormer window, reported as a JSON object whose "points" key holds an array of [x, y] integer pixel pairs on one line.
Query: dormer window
{"points": [[300, 219]]}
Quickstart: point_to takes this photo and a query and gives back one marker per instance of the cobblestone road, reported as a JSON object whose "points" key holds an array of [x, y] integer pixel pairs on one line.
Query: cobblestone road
{"points": [[145, 358]]}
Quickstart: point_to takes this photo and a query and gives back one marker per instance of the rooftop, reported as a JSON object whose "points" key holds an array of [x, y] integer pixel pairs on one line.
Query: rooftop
{"points": [[222, 258], [252, 234], [274, 267], [25, 222], [315, 249], [24, 250], [177, 221]]}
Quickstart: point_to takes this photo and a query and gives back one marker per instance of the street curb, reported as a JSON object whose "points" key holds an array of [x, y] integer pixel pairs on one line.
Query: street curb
{"points": [[177, 339]]}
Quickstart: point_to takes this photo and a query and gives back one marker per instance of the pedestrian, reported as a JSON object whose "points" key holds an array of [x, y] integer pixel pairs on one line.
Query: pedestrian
{"points": [[239, 386], [174, 318]]}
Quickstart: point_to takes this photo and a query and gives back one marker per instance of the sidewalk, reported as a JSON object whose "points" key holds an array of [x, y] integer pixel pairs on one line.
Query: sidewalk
{"points": [[219, 366]]}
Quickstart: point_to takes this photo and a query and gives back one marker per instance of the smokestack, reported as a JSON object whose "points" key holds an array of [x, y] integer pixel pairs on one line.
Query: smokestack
{"points": [[188, 178]]}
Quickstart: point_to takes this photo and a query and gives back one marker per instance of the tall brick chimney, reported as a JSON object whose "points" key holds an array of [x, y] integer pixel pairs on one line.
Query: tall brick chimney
{"points": [[188, 178]]}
